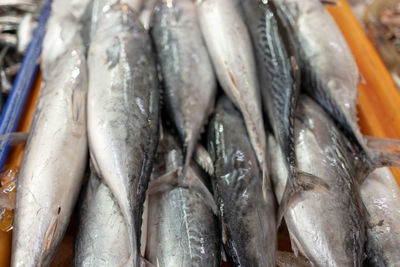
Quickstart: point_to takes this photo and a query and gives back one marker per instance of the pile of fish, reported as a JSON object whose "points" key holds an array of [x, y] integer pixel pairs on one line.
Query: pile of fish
{"points": [[203, 125], [17, 22]]}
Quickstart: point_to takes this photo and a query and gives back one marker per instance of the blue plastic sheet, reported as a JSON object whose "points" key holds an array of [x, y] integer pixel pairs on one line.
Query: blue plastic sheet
{"points": [[23, 82]]}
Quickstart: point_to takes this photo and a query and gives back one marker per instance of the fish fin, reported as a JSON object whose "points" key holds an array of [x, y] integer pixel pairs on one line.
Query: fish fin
{"points": [[379, 143], [192, 182], [296, 246], [329, 2], [50, 235], [303, 181], [188, 149], [145, 263], [266, 183], [176, 179], [15, 138], [94, 166], [284, 258], [384, 159], [224, 232], [164, 183], [223, 255], [202, 158]]}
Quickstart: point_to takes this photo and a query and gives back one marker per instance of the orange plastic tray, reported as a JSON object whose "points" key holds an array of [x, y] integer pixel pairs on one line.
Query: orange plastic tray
{"points": [[379, 98]]}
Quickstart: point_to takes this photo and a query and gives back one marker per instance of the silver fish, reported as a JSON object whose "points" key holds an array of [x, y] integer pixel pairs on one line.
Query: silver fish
{"points": [[329, 72], [123, 111], [230, 48], [188, 75], [247, 219], [279, 77], [56, 153], [326, 223], [381, 196], [182, 229], [102, 238]]}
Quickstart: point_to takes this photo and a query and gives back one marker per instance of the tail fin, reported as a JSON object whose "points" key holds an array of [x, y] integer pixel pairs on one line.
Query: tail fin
{"points": [[297, 183], [204, 160], [379, 143], [188, 149]]}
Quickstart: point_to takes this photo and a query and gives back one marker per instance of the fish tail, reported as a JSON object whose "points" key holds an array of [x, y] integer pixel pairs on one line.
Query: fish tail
{"points": [[381, 152], [297, 183], [188, 149], [202, 158]]}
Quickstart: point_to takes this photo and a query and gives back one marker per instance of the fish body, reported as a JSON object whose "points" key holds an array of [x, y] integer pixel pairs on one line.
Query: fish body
{"points": [[326, 225], [123, 111], [278, 75], [231, 52], [329, 72], [56, 153], [381, 196], [247, 219], [182, 229], [102, 238], [188, 75]]}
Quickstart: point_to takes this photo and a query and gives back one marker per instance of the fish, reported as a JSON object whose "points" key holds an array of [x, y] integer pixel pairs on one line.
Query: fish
{"points": [[329, 71], [102, 238], [123, 112], [381, 195], [55, 157], [188, 76], [182, 229], [326, 223], [230, 48], [278, 74], [147, 12], [247, 219]]}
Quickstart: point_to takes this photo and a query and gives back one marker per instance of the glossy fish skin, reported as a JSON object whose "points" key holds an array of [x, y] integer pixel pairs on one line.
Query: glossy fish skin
{"points": [[183, 231], [188, 75], [102, 238], [56, 153], [381, 196], [123, 111], [329, 72], [248, 221], [231, 52], [277, 75], [326, 225]]}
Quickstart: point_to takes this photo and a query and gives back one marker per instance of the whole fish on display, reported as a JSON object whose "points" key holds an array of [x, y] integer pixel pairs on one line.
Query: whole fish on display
{"points": [[278, 74], [231, 52], [56, 153], [326, 223], [188, 76], [247, 220], [123, 107], [182, 229]]}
